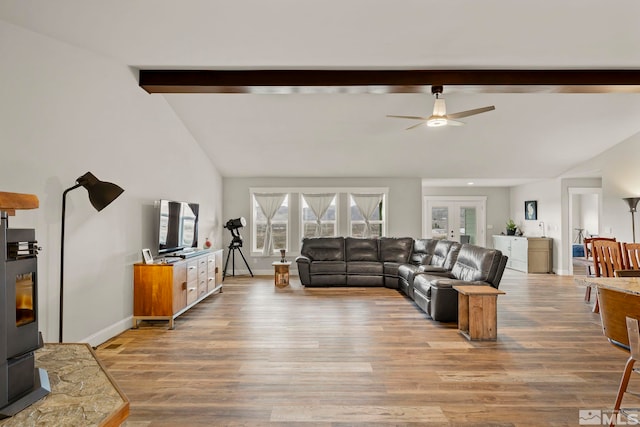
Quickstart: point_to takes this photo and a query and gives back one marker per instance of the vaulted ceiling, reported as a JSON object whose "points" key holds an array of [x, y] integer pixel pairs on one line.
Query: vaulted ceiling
{"points": [[535, 132]]}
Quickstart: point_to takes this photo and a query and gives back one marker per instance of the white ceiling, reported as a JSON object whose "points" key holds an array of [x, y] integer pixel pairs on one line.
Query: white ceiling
{"points": [[528, 136]]}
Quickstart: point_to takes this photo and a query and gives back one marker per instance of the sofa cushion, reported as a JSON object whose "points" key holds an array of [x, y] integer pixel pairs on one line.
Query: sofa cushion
{"points": [[422, 251], [361, 249], [475, 263], [323, 248], [365, 267], [440, 253], [328, 267], [395, 249]]}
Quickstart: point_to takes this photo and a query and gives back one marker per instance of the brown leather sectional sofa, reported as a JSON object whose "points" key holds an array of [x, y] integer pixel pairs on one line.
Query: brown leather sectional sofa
{"points": [[425, 270]]}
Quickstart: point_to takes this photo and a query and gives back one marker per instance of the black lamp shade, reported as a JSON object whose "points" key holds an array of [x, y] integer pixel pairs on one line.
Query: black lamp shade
{"points": [[101, 193]]}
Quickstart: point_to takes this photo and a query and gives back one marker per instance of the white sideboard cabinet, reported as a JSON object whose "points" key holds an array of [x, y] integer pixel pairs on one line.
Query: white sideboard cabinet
{"points": [[527, 254]]}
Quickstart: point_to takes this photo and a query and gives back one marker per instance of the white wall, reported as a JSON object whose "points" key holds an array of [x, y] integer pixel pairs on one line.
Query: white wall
{"points": [[65, 111], [549, 223]]}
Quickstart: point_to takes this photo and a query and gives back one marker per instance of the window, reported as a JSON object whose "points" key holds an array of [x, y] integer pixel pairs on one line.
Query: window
{"points": [[319, 215], [270, 225], [367, 217], [282, 216]]}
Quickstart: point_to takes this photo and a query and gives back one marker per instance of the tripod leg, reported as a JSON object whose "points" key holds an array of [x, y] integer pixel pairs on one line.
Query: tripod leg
{"points": [[233, 263], [226, 264], [245, 262]]}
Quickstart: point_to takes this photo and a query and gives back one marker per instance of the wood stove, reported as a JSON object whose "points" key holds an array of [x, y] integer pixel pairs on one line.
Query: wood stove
{"points": [[21, 383]]}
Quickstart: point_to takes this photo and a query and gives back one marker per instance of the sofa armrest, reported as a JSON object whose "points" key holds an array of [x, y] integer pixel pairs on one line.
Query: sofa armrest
{"points": [[450, 283], [444, 300], [434, 271], [304, 270]]}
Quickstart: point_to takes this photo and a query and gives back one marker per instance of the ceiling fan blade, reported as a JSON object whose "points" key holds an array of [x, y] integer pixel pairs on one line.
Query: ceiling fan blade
{"points": [[415, 126], [408, 117], [454, 123], [468, 113]]}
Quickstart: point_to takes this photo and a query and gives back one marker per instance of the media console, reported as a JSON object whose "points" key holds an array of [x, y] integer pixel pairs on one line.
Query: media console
{"points": [[166, 290]]}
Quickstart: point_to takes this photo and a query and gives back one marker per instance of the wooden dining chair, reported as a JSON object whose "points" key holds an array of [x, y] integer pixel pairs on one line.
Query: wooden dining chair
{"points": [[631, 254], [588, 247], [633, 333], [607, 258], [588, 256]]}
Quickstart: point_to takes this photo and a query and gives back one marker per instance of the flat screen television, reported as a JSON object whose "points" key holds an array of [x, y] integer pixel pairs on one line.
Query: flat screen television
{"points": [[177, 226]]}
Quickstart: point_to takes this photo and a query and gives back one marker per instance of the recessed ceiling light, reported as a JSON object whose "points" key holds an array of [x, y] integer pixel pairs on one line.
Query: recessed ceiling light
{"points": [[470, 183]]}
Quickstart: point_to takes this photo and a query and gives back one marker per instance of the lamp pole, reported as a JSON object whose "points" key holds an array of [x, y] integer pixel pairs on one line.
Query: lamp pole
{"points": [[633, 202], [61, 309]]}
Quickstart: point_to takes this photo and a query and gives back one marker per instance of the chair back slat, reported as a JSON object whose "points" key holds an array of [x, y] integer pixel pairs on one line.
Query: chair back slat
{"points": [[631, 252]]}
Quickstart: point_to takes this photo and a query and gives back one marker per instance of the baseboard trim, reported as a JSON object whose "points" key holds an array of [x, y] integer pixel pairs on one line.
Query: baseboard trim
{"points": [[109, 332]]}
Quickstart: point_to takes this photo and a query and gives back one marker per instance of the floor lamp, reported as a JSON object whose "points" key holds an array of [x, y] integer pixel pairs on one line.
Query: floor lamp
{"points": [[101, 194], [633, 202]]}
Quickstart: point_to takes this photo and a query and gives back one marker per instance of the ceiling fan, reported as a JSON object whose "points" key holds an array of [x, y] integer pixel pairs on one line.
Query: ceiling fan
{"points": [[440, 116]]}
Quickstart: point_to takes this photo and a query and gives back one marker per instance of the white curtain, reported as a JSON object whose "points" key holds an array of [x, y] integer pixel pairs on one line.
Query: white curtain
{"points": [[367, 205], [319, 204], [269, 203]]}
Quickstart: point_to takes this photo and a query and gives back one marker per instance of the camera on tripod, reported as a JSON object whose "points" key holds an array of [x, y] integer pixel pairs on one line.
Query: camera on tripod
{"points": [[234, 226]]}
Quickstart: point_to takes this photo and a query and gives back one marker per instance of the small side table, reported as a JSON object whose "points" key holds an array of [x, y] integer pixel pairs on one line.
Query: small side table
{"points": [[281, 273], [478, 312]]}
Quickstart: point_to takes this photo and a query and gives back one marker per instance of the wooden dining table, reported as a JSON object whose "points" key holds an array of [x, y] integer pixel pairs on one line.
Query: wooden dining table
{"points": [[619, 297]]}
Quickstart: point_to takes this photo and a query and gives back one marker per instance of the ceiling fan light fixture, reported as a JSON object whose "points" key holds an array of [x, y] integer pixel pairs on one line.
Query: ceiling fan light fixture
{"points": [[435, 122], [439, 107]]}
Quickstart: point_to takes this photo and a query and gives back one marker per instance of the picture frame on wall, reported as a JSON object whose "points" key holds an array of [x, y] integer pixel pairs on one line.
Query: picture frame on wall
{"points": [[146, 256], [531, 210]]}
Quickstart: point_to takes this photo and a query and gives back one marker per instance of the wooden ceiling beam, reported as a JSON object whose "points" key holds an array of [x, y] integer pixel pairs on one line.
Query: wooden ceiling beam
{"points": [[245, 81]]}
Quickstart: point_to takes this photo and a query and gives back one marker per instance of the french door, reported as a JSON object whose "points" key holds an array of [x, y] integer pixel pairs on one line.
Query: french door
{"points": [[458, 218]]}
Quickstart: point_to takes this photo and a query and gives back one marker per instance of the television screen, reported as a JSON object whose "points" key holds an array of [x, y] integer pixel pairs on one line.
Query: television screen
{"points": [[177, 226]]}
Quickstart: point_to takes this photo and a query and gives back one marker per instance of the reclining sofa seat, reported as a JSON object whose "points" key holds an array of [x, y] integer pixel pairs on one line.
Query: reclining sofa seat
{"points": [[338, 261], [440, 260], [322, 263], [434, 293]]}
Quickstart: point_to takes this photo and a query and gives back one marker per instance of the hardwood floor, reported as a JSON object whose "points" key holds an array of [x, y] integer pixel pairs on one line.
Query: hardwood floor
{"points": [[260, 355]]}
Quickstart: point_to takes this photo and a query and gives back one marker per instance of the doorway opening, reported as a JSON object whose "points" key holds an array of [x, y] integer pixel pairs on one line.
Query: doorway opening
{"points": [[585, 211]]}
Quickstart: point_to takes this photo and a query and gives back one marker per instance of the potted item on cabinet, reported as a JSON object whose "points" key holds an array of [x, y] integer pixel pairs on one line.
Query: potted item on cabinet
{"points": [[511, 228]]}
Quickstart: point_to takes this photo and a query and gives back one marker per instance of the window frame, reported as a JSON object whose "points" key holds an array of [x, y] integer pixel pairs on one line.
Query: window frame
{"points": [[255, 252], [385, 210], [336, 198]]}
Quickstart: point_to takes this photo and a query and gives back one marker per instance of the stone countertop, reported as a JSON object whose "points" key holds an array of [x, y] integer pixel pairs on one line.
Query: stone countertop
{"points": [[629, 285], [82, 392]]}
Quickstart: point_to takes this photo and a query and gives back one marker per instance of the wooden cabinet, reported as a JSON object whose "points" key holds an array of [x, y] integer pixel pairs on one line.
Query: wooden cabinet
{"points": [[527, 254], [165, 291]]}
